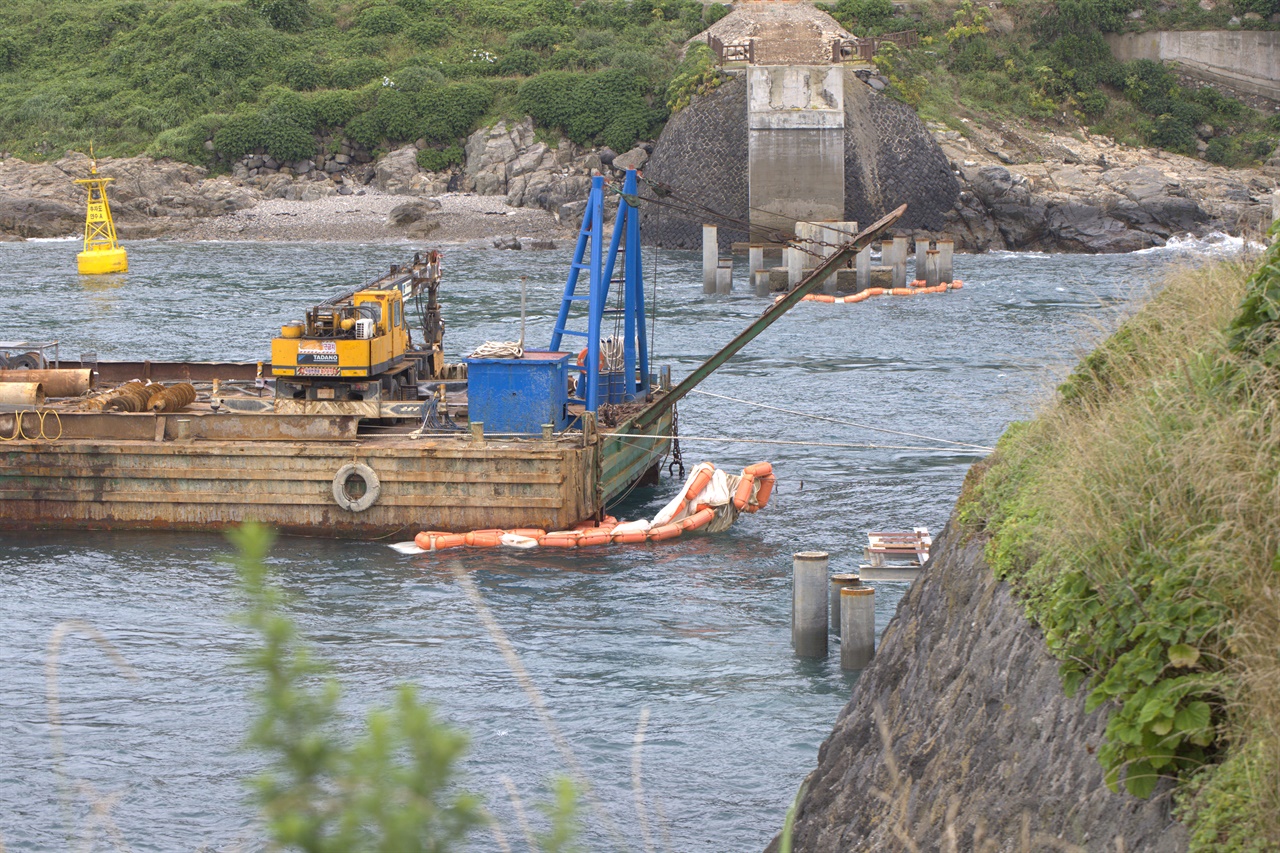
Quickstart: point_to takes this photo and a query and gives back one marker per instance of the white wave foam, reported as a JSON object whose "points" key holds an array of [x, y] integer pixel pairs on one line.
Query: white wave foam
{"points": [[1215, 243]]}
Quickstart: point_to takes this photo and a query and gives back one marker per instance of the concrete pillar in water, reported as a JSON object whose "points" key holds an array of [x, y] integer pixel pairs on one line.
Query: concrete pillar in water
{"points": [[862, 265], [755, 258], [832, 237], [710, 258], [760, 279], [945, 250], [857, 626], [795, 266], [920, 246], [931, 268], [809, 604], [839, 582], [724, 276], [899, 261]]}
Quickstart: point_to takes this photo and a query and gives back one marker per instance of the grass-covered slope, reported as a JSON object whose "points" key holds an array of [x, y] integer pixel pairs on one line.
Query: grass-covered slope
{"points": [[1039, 62], [165, 76], [1137, 519]]}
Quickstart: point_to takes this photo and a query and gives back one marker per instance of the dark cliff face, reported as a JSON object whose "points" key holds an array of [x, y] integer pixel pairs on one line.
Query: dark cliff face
{"points": [[959, 737], [890, 158]]}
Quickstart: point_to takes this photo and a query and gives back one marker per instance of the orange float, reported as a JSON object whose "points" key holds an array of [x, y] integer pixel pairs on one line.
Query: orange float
{"points": [[491, 538], [742, 495], [560, 539], [701, 518], [595, 536], [665, 531], [699, 483], [590, 533], [762, 496]]}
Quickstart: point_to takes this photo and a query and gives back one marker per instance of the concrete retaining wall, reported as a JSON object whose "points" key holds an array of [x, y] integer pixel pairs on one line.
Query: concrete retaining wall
{"points": [[1245, 60], [795, 140]]}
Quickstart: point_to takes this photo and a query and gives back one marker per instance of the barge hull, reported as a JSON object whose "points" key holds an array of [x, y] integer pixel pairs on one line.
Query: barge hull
{"points": [[133, 471]]}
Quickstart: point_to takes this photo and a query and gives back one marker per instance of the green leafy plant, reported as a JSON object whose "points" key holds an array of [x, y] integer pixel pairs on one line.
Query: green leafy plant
{"points": [[1127, 519], [439, 159], [389, 789], [698, 74]]}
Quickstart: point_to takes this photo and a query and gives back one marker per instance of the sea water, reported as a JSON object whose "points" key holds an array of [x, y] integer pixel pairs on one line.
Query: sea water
{"points": [[873, 414]]}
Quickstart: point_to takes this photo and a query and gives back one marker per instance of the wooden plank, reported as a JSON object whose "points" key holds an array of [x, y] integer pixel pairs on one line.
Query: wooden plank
{"points": [[286, 500], [147, 473]]}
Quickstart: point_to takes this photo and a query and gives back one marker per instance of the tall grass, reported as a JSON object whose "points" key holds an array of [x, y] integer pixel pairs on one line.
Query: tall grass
{"points": [[1136, 517]]}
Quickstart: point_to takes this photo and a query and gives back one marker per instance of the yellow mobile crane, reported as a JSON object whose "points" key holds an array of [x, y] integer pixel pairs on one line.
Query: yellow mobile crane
{"points": [[357, 346]]}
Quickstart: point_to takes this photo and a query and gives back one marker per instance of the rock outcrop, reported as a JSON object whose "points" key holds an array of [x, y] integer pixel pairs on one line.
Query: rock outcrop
{"points": [[147, 196], [1083, 193], [507, 159], [959, 736]]}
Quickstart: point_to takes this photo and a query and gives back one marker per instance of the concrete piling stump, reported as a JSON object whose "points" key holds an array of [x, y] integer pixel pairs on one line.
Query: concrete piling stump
{"points": [[857, 627], [809, 604]]}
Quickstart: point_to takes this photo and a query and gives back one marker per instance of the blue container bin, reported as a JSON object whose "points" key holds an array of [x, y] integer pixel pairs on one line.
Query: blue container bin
{"points": [[616, 383], [519, 395]]}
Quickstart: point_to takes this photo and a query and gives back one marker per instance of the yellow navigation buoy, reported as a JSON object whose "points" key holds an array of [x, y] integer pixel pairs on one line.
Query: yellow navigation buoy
{"points": [[102, 252]]}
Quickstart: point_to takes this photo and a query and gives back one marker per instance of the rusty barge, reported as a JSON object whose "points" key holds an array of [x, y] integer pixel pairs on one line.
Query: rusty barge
{"points": [[352, 431]]}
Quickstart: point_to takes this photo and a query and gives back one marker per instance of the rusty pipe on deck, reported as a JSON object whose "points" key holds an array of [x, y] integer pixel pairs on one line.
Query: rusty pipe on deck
{"points": [[57, 383]]}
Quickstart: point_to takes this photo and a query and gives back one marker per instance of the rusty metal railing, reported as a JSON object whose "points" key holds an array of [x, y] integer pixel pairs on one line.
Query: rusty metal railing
{"points": [[734, 52], [863, 49]]}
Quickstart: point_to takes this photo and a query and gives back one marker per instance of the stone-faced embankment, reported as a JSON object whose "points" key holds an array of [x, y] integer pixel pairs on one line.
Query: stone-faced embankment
{"points": [[889, 158], [959, 736]]}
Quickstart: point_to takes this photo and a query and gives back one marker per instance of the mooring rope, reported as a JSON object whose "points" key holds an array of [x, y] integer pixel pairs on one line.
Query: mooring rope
{"points": [[885, 430], [499, 349], [729, 439]]}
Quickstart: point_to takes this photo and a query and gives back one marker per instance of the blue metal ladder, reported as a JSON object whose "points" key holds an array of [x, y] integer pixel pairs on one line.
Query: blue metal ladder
{"points": [[600, 267]]}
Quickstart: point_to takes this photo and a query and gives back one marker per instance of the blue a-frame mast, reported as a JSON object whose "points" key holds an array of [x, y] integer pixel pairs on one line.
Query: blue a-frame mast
{"points": [[591, 256]]}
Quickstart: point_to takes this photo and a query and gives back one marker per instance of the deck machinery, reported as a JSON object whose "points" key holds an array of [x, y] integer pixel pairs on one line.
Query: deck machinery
{"points": [[356, 346]]}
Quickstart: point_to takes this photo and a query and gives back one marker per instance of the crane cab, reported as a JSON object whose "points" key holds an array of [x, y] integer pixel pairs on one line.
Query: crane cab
{"points": [[343, 347]]}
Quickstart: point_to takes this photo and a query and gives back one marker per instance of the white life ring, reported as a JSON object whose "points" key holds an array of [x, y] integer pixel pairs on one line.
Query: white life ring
{"points": [[372, 488]]}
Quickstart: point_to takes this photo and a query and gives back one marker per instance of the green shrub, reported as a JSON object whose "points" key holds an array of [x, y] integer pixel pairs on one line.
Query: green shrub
{"points": [[415, 78], [697, 74], [585, 105], [429, 33], [186, 142], [863, 15], [543, 38], [383, 21], [303, 74], [333, 107], [439, 159], [450, 112], [239, 135], [519, 63], [287, 15], [1265, 8], [389, 789], [356, 72], [286, 140], [715, 12], [10, 53]]}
